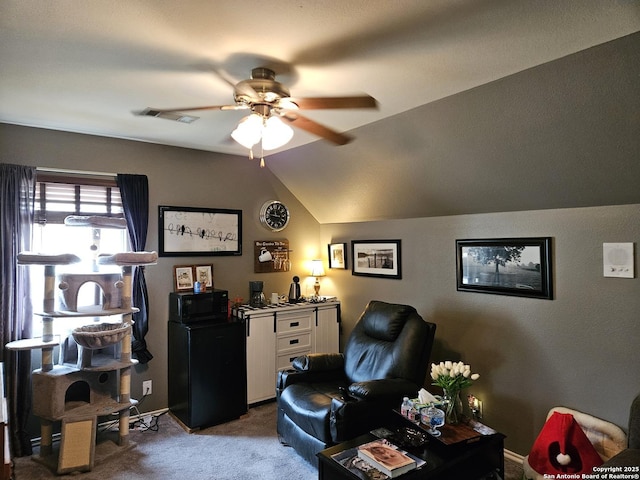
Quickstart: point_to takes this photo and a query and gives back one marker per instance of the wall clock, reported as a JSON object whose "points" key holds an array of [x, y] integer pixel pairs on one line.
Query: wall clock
{"points": [[274, 215]]}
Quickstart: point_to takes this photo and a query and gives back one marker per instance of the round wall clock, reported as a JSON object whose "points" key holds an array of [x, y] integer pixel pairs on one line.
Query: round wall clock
{"points": [[274, 215]]}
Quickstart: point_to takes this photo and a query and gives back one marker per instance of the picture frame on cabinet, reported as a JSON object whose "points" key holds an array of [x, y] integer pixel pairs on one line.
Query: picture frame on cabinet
{"points": [[183, 278], [204, 275], [337, 255], [519, 267], [377, 258]]}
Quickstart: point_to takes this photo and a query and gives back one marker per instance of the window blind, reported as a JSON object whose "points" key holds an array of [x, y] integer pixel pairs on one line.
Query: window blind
{"points": [[60, 196]]}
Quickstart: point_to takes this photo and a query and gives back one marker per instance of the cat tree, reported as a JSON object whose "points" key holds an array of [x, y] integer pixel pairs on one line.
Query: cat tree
{"points": [[97, 384]]}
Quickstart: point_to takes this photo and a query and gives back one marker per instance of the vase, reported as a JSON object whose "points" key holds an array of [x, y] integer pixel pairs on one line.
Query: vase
{"points": [[452, 406]]}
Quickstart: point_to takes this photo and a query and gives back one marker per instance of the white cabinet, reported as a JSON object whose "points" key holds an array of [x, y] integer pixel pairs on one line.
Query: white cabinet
{"points": [[327, 331], [277, 335], [261, 356]]}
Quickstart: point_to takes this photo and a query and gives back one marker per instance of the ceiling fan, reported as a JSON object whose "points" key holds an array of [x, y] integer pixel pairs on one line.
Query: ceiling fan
{"points": [[272, 108]]}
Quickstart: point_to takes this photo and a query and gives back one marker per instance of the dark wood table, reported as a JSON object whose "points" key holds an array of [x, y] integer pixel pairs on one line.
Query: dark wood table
{"points": [[457, 455]]}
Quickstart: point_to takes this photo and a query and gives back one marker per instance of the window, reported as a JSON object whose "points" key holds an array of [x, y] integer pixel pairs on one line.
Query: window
{"points": [[57, 197]]}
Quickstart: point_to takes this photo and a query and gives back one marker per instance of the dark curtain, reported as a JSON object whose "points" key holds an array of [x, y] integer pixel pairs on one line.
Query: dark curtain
{"points": [[17, 194], [134, 190]]}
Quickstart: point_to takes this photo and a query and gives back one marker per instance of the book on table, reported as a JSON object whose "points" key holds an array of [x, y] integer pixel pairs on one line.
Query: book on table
{"points": [[386, 457]]}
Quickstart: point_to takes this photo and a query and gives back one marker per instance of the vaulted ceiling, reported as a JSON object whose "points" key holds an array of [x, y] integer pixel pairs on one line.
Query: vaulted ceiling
{"points": [[491, 105]]}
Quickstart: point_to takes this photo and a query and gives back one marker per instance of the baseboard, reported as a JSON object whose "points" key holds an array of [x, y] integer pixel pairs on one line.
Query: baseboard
{"points": [[35, 442], [513, 456]]}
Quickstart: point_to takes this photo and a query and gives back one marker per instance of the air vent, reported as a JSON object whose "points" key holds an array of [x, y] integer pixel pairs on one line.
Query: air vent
{"points": [[176, 116]]}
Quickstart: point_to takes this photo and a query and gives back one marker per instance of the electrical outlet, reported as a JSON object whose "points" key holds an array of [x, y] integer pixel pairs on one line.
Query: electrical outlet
{"points": [[147, 388]]}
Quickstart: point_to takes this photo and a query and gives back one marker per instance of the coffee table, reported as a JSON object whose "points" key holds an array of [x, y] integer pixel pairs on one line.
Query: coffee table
{"points": [[481, 457]]}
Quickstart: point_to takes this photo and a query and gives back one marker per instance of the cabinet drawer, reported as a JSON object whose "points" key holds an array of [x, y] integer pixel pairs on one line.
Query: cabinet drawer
{"points": [[288, 323], [294, 343], [285, 361]]}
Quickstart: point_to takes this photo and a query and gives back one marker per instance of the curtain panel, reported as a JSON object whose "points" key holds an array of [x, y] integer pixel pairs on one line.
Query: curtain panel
{"points": [[17, 194], [134, 191]]}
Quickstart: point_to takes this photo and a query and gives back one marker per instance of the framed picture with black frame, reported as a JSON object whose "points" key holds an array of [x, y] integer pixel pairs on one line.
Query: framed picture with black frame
{"points": [[195, 232], [519, 267], [337, 255], [376, 258]]}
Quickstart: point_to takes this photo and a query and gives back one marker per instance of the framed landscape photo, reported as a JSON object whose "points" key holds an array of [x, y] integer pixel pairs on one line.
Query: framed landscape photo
{"points": [[183, 278], [376, 258], [508, 266], [191, 231], [337, 255]]}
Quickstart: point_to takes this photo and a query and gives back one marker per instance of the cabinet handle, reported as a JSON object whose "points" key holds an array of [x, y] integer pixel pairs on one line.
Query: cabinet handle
{"points": [[294, 341], [294, 324]]}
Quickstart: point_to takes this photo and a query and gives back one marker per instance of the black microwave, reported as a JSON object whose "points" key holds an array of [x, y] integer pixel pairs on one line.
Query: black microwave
{"points": [[189, 307]]}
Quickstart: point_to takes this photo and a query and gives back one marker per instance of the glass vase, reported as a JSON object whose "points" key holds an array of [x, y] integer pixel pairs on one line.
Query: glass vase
{"points": [[453, 407]]}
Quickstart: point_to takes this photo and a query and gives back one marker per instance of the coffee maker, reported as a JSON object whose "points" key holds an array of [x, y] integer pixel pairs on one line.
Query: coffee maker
{"points": [[294, 290], [256, 294]]}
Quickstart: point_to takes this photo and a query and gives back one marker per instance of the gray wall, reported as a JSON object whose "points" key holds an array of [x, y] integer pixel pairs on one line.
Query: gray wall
{"points": [[579, 350], [177, 177]]}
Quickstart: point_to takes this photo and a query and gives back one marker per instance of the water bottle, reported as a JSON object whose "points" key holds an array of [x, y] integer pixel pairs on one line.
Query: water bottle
{"points": [[414, 414], [405, 408]]}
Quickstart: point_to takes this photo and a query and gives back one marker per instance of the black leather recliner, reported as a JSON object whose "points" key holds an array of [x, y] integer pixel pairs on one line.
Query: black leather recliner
{"points": [[327, 398]]}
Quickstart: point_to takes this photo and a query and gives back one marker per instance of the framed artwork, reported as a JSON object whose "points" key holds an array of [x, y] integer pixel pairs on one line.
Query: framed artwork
{"points": [[337, 255], [376, 258], [204, 275], [508, 266], [190, 231], [183, 278], [271, 256]]}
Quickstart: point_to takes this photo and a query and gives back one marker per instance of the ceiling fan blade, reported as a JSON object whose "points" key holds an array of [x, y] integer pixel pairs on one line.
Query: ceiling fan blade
{"points": [[207, 107], [311, 126], [318, 103]]}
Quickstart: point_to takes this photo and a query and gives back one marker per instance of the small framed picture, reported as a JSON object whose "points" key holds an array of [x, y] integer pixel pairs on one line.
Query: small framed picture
{"points": [[204, 275], [183, 277], [338, 255], [376, 258]]}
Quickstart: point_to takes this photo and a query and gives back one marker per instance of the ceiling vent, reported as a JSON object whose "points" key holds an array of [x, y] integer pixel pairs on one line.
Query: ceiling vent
{"points": [[176, 116]]}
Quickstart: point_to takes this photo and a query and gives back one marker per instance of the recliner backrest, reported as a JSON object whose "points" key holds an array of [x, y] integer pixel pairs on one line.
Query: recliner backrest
{"points": [[389, 341]]}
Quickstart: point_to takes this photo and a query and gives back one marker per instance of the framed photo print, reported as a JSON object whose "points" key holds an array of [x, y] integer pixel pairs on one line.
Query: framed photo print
{"points": [[508, 266], [376, 258], [183, 278], [338, 255], [204, 275], [195, 232]]}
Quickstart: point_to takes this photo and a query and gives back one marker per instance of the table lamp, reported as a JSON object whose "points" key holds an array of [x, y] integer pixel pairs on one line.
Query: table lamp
{"points": [[317, 270]]}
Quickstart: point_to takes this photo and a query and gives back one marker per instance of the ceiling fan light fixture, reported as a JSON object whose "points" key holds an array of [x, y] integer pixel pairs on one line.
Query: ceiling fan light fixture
{"points": [[275, 133], [252, 129], [249, 131]]}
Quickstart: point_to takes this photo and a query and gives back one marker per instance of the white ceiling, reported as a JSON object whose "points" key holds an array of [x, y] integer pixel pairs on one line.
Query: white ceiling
{"points": [[85, 66]]}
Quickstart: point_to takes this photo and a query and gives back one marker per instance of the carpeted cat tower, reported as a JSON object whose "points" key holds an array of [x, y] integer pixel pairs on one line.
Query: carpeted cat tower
{"points": [[76, 391]]}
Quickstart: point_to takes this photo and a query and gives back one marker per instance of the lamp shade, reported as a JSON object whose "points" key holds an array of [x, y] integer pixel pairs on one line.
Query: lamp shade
{"points": [[275, 133], [248, 131], [317, 270], [272, 131]]}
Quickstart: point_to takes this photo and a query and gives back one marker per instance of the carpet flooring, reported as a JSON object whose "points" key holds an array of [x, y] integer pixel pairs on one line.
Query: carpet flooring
{"points": [[242, 449]]}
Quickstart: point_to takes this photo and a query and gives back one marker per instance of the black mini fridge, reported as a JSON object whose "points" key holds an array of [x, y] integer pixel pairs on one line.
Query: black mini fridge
{"points": [[207, 372]]}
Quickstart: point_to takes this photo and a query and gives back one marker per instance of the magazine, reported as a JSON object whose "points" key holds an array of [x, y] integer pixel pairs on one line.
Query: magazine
{"points": [[350, 460], [386, 457]]}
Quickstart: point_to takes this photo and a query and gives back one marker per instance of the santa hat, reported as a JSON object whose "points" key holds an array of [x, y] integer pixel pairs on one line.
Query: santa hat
{"points": [[562, 447]]}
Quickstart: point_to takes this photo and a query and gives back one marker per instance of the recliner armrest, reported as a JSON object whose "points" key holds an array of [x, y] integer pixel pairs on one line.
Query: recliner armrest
{"points": [[319, 362], [290, 376], [392, 388]]}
